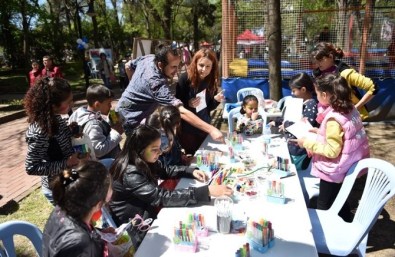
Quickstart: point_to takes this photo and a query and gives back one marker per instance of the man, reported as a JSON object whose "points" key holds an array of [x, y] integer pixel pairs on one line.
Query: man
{"points": [[150, 87], [50, 70]]}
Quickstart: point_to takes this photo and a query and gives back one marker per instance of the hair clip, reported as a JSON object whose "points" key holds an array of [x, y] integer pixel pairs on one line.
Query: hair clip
{"points": [[69, 178], [167, 115]]}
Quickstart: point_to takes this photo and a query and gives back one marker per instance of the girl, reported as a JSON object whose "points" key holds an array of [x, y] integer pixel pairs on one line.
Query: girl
{"points": [[136, 171], [167, 120], [78, 194], [250, 122], [48, 136], [35, 73], [341, 140], [202, 75], [326, 57], [302, 86]]}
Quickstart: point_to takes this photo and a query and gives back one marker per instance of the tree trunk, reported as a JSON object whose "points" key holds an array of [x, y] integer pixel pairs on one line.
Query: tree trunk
{"points": [[274, 38], [26, 34], [367, 24]]}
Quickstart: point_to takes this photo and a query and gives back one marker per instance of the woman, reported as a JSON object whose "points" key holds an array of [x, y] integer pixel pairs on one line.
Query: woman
{"points": [[202, 76], [78, 194], [326, 57]]}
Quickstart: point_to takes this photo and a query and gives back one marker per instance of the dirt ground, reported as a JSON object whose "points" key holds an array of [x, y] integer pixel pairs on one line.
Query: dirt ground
{"points": [[381, 240]]}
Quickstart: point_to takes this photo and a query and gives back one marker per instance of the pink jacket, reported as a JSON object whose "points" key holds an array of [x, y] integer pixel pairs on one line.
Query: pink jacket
{"points": [[355, 147]]}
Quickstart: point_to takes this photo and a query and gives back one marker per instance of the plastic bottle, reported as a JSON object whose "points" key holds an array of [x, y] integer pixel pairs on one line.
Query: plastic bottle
{"points": [[266, 139], [83, 145]]}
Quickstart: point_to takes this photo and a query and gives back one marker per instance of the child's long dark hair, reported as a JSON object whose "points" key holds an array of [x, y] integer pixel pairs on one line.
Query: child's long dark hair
{"points": [[338, 87], [302, 80], [78, 190], [133, 150], [168, 118], [39, 100], [246, 100]]}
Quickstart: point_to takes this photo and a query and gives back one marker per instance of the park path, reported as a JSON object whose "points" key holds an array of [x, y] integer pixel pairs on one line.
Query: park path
{"points": [[15, 183]]}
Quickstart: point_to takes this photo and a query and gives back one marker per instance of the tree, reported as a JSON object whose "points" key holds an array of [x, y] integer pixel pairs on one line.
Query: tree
{"points": [[274, 38]]}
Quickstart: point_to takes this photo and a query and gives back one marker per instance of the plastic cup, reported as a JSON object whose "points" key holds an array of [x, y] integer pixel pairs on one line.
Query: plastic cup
{"points": [[224, 207]]}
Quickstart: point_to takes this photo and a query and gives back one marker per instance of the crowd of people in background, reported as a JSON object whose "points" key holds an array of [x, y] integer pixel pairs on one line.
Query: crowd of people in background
{"points": [[162, 127]]}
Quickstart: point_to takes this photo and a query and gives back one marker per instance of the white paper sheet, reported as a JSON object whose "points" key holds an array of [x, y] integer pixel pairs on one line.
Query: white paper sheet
{"points": [[294, 109], [202, 103], [301, 129]]}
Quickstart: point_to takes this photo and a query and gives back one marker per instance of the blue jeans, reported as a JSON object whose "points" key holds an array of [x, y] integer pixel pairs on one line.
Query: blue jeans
{"points": [[107, 82], [107, 162], [48, 194]]}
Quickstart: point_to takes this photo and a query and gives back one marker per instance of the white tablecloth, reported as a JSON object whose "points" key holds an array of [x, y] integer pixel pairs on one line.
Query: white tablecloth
{"points": [[291, 222]]}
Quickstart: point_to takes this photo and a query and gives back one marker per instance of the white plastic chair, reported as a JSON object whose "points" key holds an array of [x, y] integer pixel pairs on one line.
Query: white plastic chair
{"points": [[241, 93], [251, 91], [332, 235], [235, 113], [17, 227], [94, 73]]}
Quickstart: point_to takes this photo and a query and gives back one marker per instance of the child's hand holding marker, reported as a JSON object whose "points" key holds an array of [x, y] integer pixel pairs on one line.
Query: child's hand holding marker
{"points": [[200, 175]]}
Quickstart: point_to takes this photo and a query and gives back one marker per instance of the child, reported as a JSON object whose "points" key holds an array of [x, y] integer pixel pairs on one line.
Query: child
{"points": [[302, 86], [341, 140], [136, 171], [167, 120], [48, 137], [326, 57], [78, 193], [105, 139], [35, 73], [251, 122]]}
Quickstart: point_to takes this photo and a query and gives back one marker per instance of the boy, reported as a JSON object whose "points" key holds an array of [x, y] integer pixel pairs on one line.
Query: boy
{"points": [[105, 139]]}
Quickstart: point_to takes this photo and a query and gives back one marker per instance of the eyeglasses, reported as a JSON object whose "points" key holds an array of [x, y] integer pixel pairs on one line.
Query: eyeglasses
{"points": [[141, 224]]}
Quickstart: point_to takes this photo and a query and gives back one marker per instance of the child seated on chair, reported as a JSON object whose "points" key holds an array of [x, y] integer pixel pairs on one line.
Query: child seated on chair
{"points": [[302, 86], [250, 122], [105, 137], [341, 140]]}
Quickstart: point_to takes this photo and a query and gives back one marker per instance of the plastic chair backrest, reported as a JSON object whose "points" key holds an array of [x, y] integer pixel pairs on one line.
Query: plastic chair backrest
{"points": [[282, 103], [379, 188], [235, 113], [251, 91], [17, 227]]}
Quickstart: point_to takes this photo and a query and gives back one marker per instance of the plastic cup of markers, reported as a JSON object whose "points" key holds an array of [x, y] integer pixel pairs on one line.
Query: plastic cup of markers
{"points": [[224, 207]]}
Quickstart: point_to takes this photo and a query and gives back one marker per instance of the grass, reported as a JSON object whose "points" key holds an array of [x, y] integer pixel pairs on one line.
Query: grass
{"points": [[35, 209]]}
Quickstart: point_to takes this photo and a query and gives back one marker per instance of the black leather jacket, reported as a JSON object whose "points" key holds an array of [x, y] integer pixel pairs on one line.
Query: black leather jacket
{"points": [[140, 194], [64, 237]]}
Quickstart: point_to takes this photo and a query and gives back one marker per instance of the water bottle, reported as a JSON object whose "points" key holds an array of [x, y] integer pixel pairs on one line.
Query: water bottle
{"points": [[266, 139]]}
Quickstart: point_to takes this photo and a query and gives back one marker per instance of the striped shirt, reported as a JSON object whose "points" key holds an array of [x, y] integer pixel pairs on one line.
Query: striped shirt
{"points": [[38, 159]]}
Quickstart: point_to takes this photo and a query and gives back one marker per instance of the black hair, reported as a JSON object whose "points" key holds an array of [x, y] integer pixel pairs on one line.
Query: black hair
{"points": [[39, 100], [246, 100], [162, 52], [102, 54], [338, 87], [98, 93], [132, 151], [168, 117], [302, 80], [78, 190]]}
